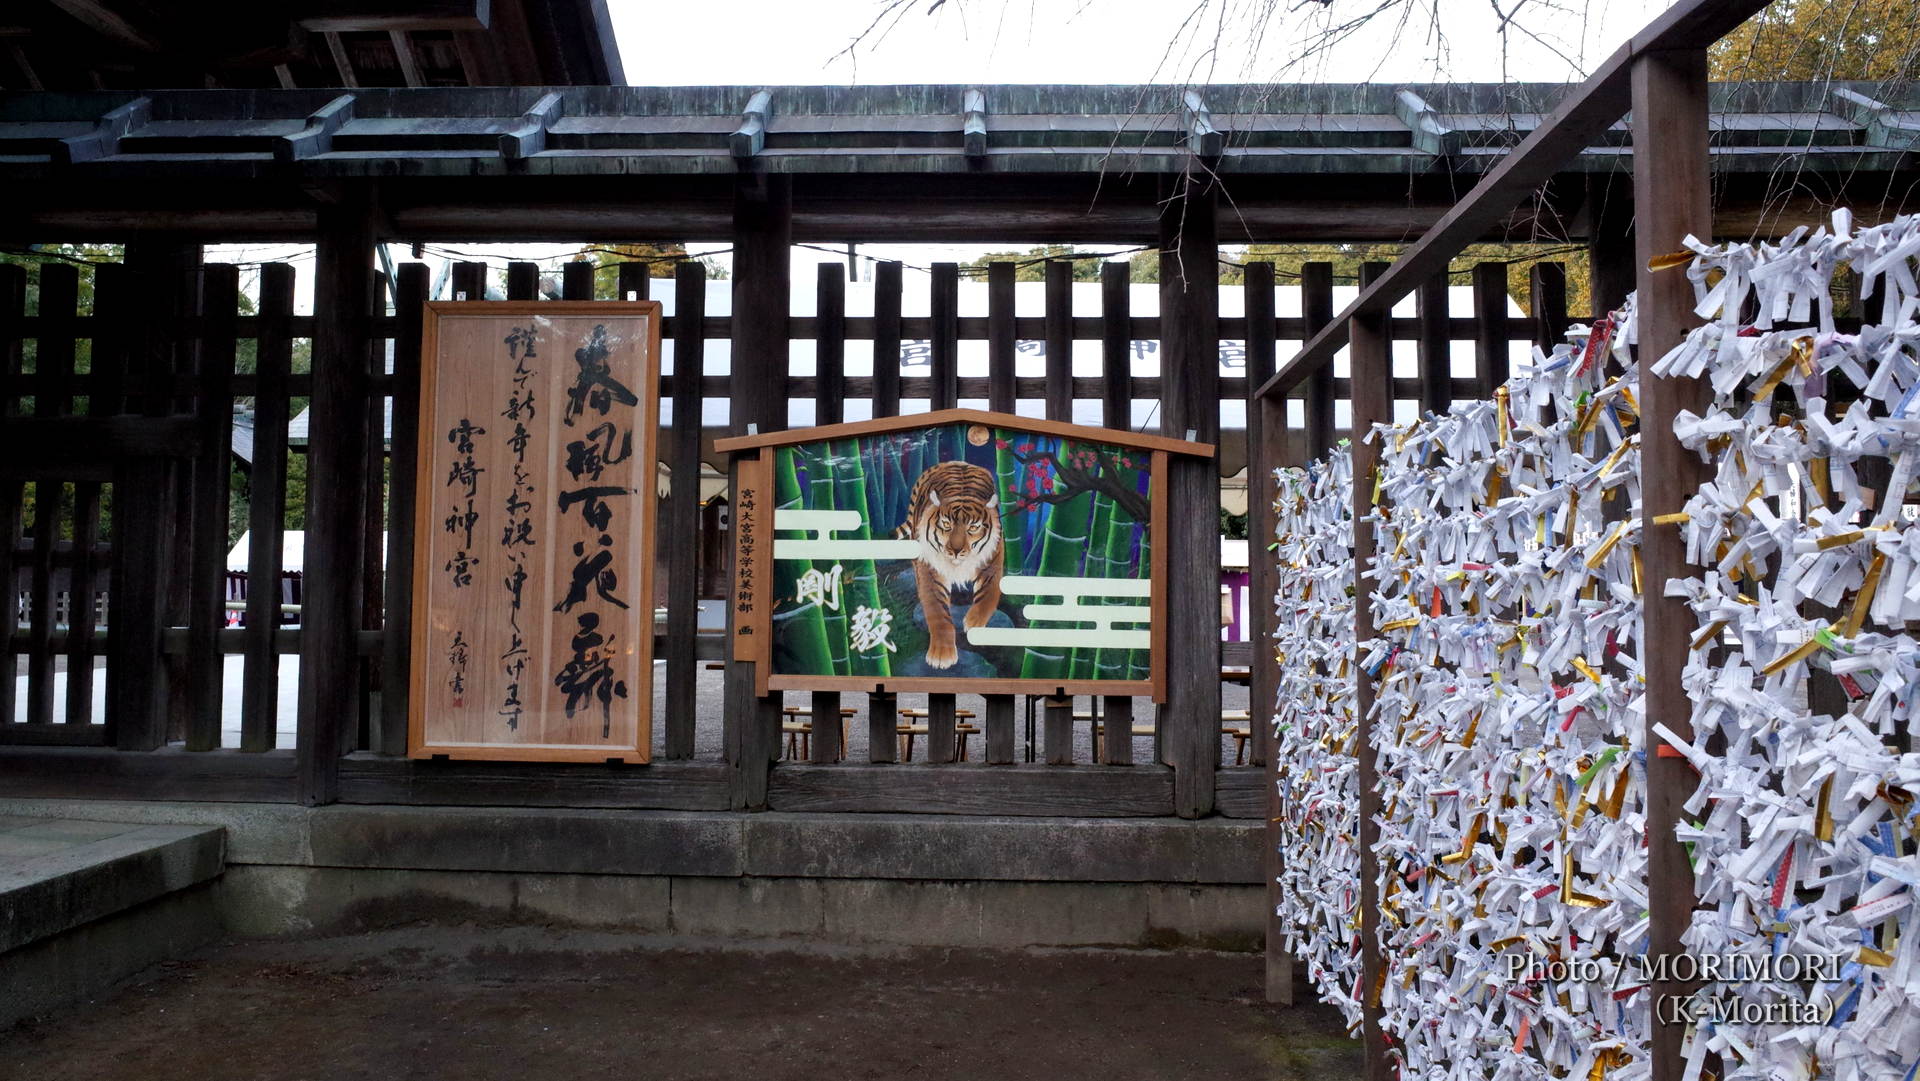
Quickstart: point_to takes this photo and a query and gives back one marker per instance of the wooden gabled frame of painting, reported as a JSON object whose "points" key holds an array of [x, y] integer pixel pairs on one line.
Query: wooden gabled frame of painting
{"points": [[533, 568], [953, 551]]}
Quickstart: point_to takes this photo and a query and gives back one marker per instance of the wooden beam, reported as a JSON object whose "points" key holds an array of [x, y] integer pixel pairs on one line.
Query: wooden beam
{"points": [[342, 64], [166, 774], [663, 785], [403, 53], [1673, 184], [349, 16], [20, 61], [1572, 126], [94, 441], [102, 19]]}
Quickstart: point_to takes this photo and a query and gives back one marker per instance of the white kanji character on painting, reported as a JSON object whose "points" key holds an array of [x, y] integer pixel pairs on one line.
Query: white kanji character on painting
{"points": [[822, 588], [871, 627]]}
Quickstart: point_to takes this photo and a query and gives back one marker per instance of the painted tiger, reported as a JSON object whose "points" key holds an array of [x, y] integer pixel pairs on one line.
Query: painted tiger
{"points": [[954, 514]]}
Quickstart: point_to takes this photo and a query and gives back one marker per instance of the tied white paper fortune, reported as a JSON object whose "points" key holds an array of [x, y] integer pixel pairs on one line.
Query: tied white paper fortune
{"points": [[1507, 725], [1314, 727], [1805, 669]]}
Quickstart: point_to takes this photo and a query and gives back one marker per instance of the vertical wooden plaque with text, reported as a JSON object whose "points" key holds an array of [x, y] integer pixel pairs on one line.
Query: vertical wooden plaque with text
{"points": [[533, 579]]}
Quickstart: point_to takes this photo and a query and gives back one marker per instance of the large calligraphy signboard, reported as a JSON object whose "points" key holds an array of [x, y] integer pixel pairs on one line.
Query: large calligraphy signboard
{"points": [[533, 567], [953, 551]]}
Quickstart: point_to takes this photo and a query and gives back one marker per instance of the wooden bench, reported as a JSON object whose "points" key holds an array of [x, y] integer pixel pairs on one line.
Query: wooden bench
{"points": [[1240, 734], [1100, 731], [796, 729], [910, 730]]}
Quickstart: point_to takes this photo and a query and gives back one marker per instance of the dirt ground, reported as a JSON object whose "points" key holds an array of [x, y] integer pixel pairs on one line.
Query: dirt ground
{"points": [[475, 1004]]}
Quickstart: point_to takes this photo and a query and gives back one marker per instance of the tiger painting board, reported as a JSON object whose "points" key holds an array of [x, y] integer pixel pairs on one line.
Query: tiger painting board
{"points": [[958, 550], [533, 577]]}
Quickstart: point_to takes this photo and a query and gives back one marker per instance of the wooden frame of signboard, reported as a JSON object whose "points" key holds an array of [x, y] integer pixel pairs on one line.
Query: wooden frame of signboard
{"points": [[753, 536], [620, 640]]}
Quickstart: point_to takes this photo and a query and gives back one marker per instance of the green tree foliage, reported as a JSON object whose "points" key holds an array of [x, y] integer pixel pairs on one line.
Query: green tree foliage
{"points": [[1875, 40], [1031, 266], [1287, 259], [661, 259]]}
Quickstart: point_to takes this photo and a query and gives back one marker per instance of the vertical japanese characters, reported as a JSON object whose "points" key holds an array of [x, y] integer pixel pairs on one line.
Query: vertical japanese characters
{"points": [[588, 678], [516, 535]]}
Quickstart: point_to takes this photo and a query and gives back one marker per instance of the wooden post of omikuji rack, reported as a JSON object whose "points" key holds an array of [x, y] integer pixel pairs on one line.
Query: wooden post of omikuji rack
{"points": [[1671, 178]]}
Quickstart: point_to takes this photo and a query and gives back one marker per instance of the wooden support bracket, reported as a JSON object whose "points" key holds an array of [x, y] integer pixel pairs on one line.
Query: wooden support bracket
{"points": [[317, 136], [529, 136], [1423, 120], [751, 136], [1885, 125], [1202, 137], [973, 128], [107, 132]]}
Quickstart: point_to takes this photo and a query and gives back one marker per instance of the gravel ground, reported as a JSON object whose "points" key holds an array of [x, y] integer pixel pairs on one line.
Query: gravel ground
{"points": [[520, 1004]]}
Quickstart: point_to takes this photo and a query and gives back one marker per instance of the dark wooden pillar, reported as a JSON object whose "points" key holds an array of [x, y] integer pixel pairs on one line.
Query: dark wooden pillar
{"points": [[883, 708], [1190, 408], [944, 365], [1262, 348], [1490, 345], [1266, 450], [762, 281], [829, 407], [1547, 293], [1116, 411], [336, 504], [161, 284], [1316, 311], [1434, 346], [1370, 351], [208, 565], [1609, 241], [681, 522], [1673, 199], [396, 659]]}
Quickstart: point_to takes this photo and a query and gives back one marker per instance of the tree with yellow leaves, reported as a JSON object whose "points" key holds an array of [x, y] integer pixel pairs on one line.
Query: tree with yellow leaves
{"points": [[1874, 40]]}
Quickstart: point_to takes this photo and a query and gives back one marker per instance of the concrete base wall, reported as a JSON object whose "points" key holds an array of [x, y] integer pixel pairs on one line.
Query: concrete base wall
{"points": [[80, 963], [277, 901], [879, 879]]}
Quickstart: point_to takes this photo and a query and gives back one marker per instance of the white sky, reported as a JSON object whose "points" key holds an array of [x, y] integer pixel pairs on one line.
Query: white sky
{"points": [[783, 42], [776, 42]]}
